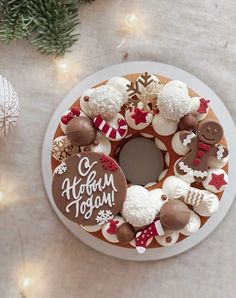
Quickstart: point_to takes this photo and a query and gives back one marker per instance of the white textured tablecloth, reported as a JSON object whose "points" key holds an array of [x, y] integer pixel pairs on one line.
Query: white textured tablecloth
{"points": [[198, 36]]}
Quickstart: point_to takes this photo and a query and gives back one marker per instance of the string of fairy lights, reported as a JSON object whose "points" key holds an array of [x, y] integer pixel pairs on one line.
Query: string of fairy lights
{"points": [[30, 275]]}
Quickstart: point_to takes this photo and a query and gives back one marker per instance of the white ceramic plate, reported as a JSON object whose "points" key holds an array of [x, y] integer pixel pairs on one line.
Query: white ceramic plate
{"points": [[221, 112]]}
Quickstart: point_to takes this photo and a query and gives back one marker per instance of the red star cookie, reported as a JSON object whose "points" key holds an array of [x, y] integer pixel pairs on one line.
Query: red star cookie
{"points": [[139, 116], [217, 180]]}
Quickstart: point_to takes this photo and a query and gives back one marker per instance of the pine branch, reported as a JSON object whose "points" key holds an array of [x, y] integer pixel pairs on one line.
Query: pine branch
{"points": [[48, 24]]}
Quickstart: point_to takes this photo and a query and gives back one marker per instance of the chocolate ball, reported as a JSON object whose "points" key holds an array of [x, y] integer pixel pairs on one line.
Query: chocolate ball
{"points": [[174, 215], [125, 233], [80, 131], [188, 122]]}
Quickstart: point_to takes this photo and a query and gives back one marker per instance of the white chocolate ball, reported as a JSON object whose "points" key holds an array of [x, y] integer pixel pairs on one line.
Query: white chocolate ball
{"points": [[216, 180], [106, 101], [137, 208], [170, 238], [193, 225], [84, 105], [104, 145], [178, 84], [173, 103], [178, 146], [163, 126], [120, 84], [160, 144]]}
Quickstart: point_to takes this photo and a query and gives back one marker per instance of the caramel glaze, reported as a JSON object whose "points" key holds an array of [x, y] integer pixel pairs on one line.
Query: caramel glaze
{"points": [[148, 130]]}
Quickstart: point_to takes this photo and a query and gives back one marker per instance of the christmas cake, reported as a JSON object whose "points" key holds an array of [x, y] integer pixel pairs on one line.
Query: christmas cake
{"points": [[90, 187]]}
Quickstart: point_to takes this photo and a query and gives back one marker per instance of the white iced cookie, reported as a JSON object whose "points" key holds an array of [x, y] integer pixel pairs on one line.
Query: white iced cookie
{"points": [[178, 146], [69, 112], [91, 229], [158, 198], [109, 229], [137, 208], [178, 84], [167, 159], [160, 144], [193, 225], [188, 177], [170, 238], [175, 187], [163, 126], [138, 119], [100, 145], [120, 84], [199, 107], [173, 102], [214, 162], [209, 205], [84, 102], [162, 175], [62, 148], [216, 180], [106, 101]]}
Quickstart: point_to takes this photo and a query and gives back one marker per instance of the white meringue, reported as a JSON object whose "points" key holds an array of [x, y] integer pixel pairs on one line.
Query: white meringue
{"points": [[163, 126], [104, 145], [194, 106], [131, 121], [214, 162], [193, 225], [188, 177], [209, 205], [178, 146], [85, 105], [160, 144], [112, 237], [156, 197], [175, 187]]}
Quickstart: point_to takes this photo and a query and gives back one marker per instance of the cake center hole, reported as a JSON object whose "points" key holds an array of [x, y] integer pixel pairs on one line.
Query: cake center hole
{"points": [[141, 161]]}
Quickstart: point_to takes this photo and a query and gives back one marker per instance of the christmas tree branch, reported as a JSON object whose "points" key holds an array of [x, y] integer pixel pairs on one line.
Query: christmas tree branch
{"points": [[48, 24]]}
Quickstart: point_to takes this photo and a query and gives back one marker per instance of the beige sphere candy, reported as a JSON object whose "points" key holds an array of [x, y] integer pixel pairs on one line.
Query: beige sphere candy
{"points": [[174, 215], [80, 131]]}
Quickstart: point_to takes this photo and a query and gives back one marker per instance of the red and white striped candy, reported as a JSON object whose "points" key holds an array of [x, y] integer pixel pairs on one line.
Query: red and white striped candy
{"points": [[114, 134]]}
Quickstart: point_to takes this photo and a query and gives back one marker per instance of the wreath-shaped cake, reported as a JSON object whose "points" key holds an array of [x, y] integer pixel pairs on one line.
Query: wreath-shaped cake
{"points": [[89, 186]]}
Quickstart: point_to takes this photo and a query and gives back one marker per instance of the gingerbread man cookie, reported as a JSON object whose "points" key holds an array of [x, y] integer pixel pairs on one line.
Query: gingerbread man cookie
{"points": [[203, 145]]}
